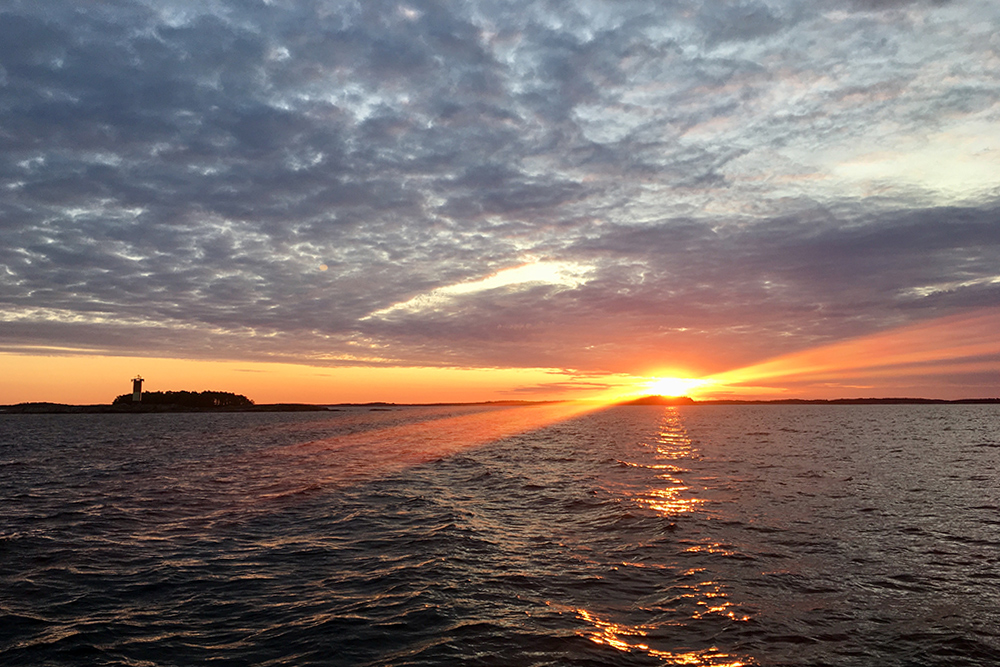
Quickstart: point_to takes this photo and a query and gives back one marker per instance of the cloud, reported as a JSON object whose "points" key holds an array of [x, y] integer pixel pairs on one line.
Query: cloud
{"points": [[565, 274], [738, 178]]}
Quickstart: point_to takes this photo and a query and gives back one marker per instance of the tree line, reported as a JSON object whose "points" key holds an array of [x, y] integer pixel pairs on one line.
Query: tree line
{"points": [[189, 399]]}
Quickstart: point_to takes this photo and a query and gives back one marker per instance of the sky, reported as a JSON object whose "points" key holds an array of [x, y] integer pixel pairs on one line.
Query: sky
{"points": [[486, 200]]}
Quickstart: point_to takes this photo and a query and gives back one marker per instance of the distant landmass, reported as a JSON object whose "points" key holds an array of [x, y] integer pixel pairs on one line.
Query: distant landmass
{"points": [[218, 401], [183, 401], [660, 400], [165, 401], [188, 399], [63, 408], [684, 400]]}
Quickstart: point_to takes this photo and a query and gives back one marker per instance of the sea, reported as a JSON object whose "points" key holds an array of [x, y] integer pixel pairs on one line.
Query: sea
{"points": [[556, 534]]}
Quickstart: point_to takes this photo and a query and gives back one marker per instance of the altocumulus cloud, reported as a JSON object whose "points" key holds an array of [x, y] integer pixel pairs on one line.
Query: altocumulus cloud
{"points": [[754, 177]]}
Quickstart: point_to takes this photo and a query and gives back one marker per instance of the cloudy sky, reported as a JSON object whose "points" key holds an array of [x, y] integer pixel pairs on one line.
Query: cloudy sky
{"points": [[600, 188]]}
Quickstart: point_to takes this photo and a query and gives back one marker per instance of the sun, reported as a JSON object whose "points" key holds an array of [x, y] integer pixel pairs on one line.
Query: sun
{"points": [[673, 386]]}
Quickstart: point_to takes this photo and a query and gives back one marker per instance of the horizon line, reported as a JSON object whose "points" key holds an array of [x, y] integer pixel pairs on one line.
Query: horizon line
{"points": [[41, 407]]}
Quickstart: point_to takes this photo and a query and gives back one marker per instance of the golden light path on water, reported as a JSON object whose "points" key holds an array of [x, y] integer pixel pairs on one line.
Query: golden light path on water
{"points": [[412, 436], [672, 444], [620, 636], [424, 435]]}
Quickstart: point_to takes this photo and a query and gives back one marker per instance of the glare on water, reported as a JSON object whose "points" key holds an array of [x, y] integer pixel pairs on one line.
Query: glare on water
{"points": [[629, 536]]}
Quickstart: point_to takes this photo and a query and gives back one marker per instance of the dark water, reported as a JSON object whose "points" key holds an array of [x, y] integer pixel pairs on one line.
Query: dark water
{"points": [[704, 535]]}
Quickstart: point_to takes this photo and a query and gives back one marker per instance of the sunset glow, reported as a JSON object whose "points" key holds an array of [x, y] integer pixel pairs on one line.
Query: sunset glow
{"points": [[913, 360], [672, 386], [946, 347], [91, 379]]}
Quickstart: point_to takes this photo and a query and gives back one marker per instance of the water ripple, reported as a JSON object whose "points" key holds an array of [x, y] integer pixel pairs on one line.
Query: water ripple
{"points": [[736, 535]]}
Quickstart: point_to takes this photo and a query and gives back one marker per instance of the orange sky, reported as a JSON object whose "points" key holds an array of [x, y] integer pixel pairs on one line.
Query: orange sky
{"points": [[86, 379], [918, 360], [950, 357]]}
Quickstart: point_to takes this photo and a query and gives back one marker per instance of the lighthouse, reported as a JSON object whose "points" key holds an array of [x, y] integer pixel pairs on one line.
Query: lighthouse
{"points": [[137, 389]]}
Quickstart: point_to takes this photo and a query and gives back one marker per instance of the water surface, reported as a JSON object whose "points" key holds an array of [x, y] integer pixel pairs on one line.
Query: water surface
{"points": [[697, 535]]}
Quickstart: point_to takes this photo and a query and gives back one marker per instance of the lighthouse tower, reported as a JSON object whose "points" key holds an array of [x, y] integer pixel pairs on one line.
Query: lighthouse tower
{"points": [[137, 389]]}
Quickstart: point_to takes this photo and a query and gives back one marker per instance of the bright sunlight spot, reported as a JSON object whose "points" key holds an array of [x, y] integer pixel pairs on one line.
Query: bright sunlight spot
{"points": [[674, 386]]}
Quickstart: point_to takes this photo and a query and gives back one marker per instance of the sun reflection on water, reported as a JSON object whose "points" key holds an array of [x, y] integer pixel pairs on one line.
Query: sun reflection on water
{"points": [[620, 636], [670, 500], [694, 599], [710, 599], [672, 443]]}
